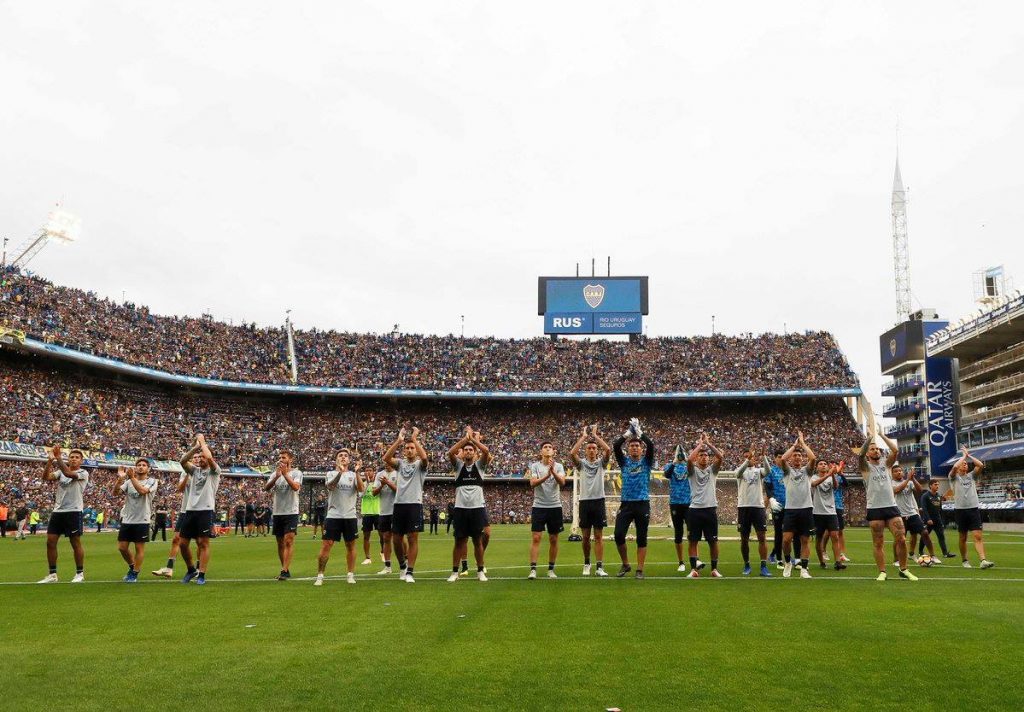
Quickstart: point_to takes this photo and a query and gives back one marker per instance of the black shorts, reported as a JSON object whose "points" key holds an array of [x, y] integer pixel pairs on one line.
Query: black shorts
{"points": [[285, 524], [883, 514], [913, 524], [967, 520], [318, 517], [384, 523], [841, 518], [678, 513], [798, 521], [638, 514], [825, 523], [751, 518], [549, 518], [469, 522], [407, 518], [65, 524], [137, 533], [196, 525], [371, 522], [593, 514], [338, 529], [702, 523], [250, 520]]}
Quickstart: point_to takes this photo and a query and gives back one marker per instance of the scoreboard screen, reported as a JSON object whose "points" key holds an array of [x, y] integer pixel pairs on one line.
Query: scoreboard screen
{"points": [[598, 305]]}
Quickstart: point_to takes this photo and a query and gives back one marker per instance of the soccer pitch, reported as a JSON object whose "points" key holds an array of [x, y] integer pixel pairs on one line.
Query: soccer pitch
{"points": [[246, 641]]}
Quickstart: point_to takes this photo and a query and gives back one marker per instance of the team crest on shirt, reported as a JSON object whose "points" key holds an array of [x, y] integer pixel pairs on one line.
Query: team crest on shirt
{"points": [[594, 294]]}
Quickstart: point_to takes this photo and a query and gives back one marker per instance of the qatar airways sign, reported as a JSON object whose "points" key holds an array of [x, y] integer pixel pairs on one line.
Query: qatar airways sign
{"points": [[941, 412]]}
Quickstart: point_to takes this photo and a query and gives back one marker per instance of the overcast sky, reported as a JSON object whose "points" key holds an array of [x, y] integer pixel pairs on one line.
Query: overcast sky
{"points": [[367, 164]]}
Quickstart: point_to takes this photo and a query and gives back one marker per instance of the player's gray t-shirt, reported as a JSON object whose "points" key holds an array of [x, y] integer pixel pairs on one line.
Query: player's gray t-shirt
{"points": [[879, 487], [138, 507], [906, 501], [591, 476], [702, 486], [341, 501], [750, 491], [387, 495], [965, 490], [469, 496], [798, 487], [411, 474], [286, 499], [69, 492], [546, 495], [824, 498], [202, 494]]}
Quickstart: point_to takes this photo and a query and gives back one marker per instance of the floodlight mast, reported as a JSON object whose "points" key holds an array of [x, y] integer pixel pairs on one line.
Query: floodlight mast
{"points": [[61, 226]]}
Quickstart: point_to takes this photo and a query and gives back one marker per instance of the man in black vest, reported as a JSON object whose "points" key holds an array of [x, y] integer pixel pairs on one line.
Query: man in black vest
{"points": [[469, 459]]}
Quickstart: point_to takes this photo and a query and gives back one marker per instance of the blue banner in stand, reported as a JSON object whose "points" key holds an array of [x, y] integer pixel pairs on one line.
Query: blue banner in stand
{"points": [[941, 412]]}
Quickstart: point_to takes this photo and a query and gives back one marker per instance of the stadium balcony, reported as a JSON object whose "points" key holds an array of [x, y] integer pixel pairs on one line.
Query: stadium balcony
{"points": [[904, 384], [904, 407], [913, 452], [910, 428]]}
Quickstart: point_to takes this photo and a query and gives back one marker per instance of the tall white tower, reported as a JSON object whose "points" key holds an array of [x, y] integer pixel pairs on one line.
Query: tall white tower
{"points": [[900, 247]]}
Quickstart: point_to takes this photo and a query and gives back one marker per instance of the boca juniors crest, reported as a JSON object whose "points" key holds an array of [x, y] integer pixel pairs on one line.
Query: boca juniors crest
{"points": [[594, 295]]}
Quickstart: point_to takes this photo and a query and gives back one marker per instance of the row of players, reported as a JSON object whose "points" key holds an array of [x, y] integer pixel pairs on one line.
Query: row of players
{"points": [[809, 484]]}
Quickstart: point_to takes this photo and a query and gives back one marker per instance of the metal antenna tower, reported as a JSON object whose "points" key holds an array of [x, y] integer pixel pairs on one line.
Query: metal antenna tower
{"points": [[900, 246]]}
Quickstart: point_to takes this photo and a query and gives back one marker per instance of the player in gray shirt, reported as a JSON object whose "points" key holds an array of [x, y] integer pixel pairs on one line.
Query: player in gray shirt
{"points": [[906, 489], [285, 482], [826, 522], [386, 486], [202, 477], [750, 508], [882, 512], [702, 467], [590, 474], [469, 458], [66, 517], [407, 516], [798, 520], [962, 479], [343, 487], [546, 478], [139, 488]]}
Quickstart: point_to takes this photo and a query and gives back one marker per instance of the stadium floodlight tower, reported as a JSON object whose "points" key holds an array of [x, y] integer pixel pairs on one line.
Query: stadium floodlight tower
{"points": [[61, 226], [900, 246]]}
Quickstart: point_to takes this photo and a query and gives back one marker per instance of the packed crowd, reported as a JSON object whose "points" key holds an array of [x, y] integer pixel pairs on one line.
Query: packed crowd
{"points": [[39, 405], [208, 348]]}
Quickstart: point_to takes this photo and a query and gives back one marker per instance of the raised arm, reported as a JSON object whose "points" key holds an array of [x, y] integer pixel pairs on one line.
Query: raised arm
{"points": [[48, 470], [784, 460], [201, 442], [649, 454], [811, 457], [620, 456], [719, 456], [420, 452], [485, 452], [574, 453], [978, 464], [606, 450], [272, 480], [862, 454], [122, 475], [894, 450], [389, 455], [186, 459], [288, 478], [453, 451], [559, 476], [359, 484]]}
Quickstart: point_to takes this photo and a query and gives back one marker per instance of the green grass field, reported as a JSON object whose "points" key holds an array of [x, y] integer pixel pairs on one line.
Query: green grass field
{"points": [[245, 641]]}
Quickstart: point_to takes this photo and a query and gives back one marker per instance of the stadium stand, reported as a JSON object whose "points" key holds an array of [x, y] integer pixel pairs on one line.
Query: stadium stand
{"points": [[246, 353], [43, 401]]}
